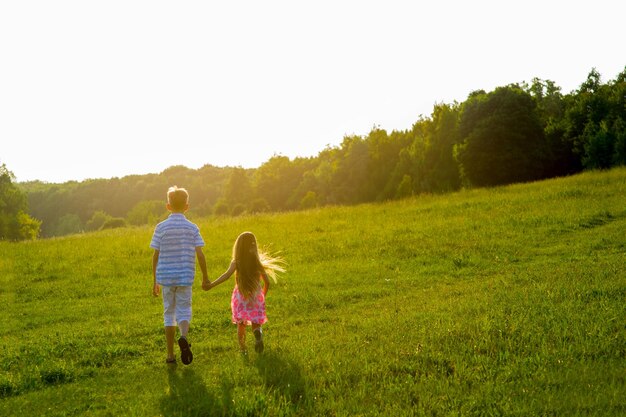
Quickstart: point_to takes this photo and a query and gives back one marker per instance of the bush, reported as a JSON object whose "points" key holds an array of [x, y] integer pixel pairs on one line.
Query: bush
{"points": [[29, 227], [221, 208], [114, 223], [238, 210], [260, 205], [97, 220]]}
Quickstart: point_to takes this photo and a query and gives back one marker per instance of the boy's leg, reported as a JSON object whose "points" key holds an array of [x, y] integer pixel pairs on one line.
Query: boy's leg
{"points": [[183, 316], [186, 356], [241, 335], [170, 334], [183, 309], [183, 327], [169, 320]]}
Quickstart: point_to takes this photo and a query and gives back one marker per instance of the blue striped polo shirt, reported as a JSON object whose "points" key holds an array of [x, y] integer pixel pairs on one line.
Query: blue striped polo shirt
{"points": [[176, 239]]}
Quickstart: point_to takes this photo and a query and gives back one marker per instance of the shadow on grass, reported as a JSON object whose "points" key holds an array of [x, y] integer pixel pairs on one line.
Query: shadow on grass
{"points": [[188, 395], [282, 375]]}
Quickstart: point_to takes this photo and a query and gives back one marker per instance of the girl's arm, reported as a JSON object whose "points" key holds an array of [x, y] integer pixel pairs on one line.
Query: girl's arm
{"points": [[266, 283], [224, 276]]}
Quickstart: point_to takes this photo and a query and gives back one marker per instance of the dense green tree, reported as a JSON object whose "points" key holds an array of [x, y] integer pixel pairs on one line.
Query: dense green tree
{"points": [[276, 180], [68, 224], [221, 208], [559, 156], [238, 188], [384, 156], [598, 146], [441, 170], [147, 212], [310, 200], [237, 209], [405, 188], [619, 123], [594, 120], [320, 178], [501, 138], [15, 223], [619, 150], [349, 174], [259, 205], [412, 159]]}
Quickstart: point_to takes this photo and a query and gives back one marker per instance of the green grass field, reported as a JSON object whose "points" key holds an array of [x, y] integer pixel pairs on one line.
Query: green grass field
{"points": [[503, 301]]}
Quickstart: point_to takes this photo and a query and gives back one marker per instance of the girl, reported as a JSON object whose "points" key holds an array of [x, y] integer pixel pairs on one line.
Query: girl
{"points": [[248, 300]]}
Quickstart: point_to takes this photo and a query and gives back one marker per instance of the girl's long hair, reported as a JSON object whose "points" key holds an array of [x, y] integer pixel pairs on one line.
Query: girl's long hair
{"points": [[251, 263]]}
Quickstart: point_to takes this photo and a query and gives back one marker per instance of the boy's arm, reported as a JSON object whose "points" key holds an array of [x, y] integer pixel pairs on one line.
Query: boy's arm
{"points": [[224, 276], [202, 262], [155, 261]]}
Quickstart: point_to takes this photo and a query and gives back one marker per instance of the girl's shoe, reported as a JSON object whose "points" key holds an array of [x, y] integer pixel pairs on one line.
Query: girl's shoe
{"points": [[258, 345], [185, 350]]}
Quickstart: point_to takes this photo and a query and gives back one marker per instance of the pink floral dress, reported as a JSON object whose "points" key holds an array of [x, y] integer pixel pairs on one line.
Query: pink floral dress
{"points": [[250, 310]]}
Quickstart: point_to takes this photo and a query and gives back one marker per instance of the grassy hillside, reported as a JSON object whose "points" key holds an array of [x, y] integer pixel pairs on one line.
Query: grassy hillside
{"points": [[506, 301]]}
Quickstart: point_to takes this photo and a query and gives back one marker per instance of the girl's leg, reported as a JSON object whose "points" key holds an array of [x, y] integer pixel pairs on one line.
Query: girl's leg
{"points": [[241, 335], [258, 335]]}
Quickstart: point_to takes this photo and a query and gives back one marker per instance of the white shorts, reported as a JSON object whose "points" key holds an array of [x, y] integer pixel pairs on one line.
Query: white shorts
{"points": [[176, 305]]}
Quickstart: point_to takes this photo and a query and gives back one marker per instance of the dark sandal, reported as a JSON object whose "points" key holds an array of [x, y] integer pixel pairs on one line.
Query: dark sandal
{"points": [[185, 351], [258, 346]]}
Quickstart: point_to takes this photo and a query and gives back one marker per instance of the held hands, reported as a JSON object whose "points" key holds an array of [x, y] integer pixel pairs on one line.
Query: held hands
{"points": [[156, 289], [206, 284]]}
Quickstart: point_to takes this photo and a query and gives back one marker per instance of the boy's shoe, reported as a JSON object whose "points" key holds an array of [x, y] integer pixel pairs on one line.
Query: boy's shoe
{"points": [[185, 350], [258, 346]]}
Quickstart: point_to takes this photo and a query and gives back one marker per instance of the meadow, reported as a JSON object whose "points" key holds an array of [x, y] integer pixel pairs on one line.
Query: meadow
{"points": [[501, 301]]}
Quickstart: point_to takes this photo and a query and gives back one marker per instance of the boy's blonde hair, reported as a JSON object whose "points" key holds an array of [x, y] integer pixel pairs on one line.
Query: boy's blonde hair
{"points": [[251, 262], [177, 198]]}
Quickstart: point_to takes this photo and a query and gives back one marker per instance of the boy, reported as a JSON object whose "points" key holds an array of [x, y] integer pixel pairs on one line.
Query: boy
{"points": [[173, 267]]}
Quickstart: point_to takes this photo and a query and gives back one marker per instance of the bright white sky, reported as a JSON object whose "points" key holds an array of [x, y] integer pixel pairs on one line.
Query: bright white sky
{"points": [[101, 89]]}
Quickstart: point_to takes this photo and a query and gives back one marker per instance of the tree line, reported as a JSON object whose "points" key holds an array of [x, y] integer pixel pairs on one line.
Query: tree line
{"points": [[515, 133], [15, 223]]}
